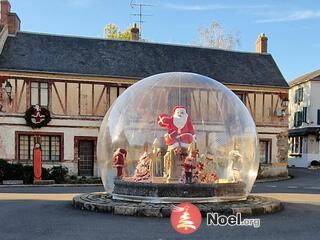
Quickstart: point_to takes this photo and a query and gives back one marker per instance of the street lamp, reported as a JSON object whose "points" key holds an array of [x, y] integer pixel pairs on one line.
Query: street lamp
{"points": [[285, 102], [8, 89]]}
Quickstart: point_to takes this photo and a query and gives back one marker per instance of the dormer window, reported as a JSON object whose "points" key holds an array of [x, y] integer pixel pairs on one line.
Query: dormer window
{"points": [[39, 94]]}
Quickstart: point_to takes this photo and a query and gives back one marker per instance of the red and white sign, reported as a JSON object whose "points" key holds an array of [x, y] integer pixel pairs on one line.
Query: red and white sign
{"points": [[186, 218]]}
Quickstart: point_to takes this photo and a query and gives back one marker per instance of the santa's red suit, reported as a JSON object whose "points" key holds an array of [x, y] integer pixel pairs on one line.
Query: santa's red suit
{"points": [[179, 125], [188, 167], [119, 157]]}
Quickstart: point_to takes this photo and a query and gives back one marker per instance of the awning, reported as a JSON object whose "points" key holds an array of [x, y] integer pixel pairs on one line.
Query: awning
{"points": [[303, 131]]}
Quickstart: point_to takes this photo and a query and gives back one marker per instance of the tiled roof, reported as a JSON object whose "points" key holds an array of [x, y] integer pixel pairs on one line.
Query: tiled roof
{"points": [[33, 52], [315, 76]]}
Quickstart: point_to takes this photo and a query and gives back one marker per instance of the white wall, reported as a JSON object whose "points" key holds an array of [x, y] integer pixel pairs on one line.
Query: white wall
{"points": [[311, 100], [84, 128], [314, 102]]}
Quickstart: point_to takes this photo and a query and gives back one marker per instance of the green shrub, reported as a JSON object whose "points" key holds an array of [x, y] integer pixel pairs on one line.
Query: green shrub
{"points": [[58, 174], [3, 169], [16, 171], [28, 174], [3, 163]]}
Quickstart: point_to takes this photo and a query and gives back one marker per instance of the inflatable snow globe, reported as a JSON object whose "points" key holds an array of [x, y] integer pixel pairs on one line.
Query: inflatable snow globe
{"points": [[177, 137]]}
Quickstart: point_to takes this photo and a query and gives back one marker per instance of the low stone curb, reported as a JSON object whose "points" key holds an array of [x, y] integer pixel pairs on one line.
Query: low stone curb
{"points": [[273, 179], [51, 185], [313, 168], [103, 202]]}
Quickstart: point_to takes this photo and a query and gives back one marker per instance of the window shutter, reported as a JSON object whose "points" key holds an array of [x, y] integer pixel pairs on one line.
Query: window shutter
{"points": [[296, 96], [295, 120], [301, 95], [318, 122], [304, 114], [299, 119]]}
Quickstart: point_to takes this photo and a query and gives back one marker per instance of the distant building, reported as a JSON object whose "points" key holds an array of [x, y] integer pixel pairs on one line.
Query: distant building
{"points": [[77, 79], [304, 120]]}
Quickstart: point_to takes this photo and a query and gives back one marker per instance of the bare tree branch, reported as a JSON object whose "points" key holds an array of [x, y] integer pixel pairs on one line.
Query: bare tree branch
{"points": [[215, 36]]}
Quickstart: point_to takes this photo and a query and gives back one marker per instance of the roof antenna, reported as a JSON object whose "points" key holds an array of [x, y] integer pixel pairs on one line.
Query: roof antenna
{"points": [[140, 13]]}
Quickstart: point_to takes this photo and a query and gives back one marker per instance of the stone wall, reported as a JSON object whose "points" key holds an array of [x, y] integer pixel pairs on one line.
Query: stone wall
{"points": [[283, 147], [278, 167]]}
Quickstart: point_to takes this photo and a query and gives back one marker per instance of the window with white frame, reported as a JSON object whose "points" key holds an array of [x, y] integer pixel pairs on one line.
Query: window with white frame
{"points": [[50, 146], [296, 145]]}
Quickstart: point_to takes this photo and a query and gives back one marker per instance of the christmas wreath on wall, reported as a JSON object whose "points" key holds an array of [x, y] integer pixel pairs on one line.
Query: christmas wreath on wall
{"points": [[37, 117]]}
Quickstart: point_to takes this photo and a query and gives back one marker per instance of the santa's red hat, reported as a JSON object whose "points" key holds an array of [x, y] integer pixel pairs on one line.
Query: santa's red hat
{"points": [[120, 151], [177, 107]]}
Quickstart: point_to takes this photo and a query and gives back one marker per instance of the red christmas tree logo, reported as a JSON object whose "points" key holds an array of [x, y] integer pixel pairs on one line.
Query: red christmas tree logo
{"points": [[185, 218]]}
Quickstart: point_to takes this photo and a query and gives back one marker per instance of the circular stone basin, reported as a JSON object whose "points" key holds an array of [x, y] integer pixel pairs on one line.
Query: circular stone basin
{"points": [[103, 202], [176, 192]]}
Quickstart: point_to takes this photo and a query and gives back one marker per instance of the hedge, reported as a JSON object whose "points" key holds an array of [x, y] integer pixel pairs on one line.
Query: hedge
{"points": [[16, 171]]}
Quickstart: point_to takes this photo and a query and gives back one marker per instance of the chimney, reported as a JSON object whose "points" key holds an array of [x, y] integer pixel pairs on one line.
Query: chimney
{"points": [[9, 18], [262, 44], [135, 35]]}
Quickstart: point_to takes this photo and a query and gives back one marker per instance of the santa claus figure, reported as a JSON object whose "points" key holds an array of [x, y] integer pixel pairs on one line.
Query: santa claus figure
{"points": [[179, 125], [119, 158], [188, 168]]}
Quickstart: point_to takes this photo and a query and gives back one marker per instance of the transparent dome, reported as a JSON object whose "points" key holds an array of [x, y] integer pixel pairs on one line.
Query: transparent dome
{"points": [[182, 129]]}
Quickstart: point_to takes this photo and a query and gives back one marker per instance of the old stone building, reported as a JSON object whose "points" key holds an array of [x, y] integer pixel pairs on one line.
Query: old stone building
{"points": [[77, 79]]}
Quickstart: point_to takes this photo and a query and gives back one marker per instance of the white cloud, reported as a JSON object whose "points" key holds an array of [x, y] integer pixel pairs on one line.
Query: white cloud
{"points": [[80, 3], [292, 16], [198, 7]]}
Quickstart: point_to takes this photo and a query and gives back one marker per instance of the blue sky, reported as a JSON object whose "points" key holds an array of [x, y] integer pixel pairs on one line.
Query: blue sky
{"points": [[292, 26]]}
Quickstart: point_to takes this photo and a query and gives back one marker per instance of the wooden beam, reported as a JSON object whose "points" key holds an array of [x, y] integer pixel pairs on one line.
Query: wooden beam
{"points": [[21, 92], [272, 112], [50, 96], [208, 108], [108, 96], [70, 77], [61, 104], [99, 100], [92, 99], [254, 105], [263, 106], [28, 93], [79, 99], [249, 104], [15, 95], [275, 107], [195, 103], [66, 97]]}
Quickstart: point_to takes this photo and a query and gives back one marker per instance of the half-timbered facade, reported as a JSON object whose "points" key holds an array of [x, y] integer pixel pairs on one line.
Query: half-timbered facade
{"points": [[77, 80]]}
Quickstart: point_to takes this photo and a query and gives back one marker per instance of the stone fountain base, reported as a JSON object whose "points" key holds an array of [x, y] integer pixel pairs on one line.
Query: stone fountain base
{"points": [[177, 192], [104, 202]]}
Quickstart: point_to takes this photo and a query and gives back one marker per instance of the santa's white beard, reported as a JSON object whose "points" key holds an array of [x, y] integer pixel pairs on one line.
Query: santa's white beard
{"points": [[180, 122]]}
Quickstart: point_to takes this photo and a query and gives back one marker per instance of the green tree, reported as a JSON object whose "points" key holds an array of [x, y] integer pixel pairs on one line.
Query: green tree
{"points": [[112, 31], [217, 37]]}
